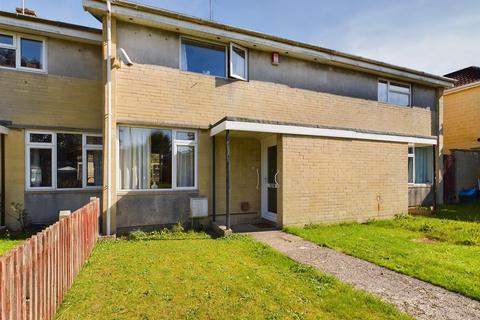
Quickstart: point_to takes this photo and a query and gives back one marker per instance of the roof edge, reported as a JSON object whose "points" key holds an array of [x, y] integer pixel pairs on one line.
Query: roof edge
{"points": [[55, 28], [349, 60], [462, 88]]}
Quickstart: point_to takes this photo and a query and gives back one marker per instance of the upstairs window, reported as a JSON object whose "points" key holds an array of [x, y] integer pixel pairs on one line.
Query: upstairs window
{"points": [[22, 52], [7, 51], [214, 59], [394, 92], [203, 57], [238, 62]]}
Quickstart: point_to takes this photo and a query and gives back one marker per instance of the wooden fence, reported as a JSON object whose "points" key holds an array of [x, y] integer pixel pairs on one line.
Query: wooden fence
{"points": [[36, 275]]}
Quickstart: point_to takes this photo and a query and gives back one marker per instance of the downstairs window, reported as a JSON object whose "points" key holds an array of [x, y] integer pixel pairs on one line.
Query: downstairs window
{"points": [[420, 165]]}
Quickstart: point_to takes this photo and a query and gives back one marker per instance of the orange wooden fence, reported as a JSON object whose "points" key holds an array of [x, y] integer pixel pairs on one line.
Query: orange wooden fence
{"points": [[36, 275]]}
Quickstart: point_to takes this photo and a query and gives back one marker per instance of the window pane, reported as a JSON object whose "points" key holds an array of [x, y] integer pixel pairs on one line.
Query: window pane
{"points": [[7, 58], [185, 166], [399, 87], [94, 140], [382, 91], [410, 170], [6, 39], [94, 168], [31, 53], [185, 135], [424, 165], [399, 98], [40, 167], [205, 58], [239, 62], [41, 137], [145, 158], [69, 160]]}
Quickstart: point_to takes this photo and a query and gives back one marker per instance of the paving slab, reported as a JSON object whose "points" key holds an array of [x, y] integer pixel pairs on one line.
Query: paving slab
{"points": [[420, 299]]}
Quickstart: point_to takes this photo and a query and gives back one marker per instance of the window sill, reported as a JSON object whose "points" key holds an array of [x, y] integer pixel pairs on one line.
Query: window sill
{"points": [[28, 70], [83, 190], [156, 192], [420, 185]]}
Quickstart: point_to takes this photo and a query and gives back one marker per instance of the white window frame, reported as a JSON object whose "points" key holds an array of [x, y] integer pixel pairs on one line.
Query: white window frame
{"points": [[393, 90], [233, 75], [182, 38], [175, 143], [17, 46], [412, 155], [53, 146], [86, 147], [40, 145]]}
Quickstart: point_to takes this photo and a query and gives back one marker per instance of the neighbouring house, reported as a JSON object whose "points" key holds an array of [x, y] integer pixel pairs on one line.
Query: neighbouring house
{"points": [[462, 132], [257, 126], [50, 116]]}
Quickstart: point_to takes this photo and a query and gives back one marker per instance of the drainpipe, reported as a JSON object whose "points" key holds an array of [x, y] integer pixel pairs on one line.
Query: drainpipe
{"points": [[109, 114]]}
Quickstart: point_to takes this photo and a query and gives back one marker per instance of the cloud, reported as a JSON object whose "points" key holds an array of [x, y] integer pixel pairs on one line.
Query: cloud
{"points": [[412, 34]]}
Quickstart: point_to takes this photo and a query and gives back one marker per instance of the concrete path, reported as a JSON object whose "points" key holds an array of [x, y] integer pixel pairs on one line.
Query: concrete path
{"points": [[417, 298]]}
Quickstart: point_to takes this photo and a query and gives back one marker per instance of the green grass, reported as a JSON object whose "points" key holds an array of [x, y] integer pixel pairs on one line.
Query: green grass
{"points": [[464, 212], [8, 242], [437, 250], [233, 278]]}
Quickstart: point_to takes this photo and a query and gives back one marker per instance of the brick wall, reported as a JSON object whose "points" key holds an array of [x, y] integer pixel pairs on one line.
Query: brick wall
{"points": [[331, 180], [155, 94], [49, 100], [462, 119]]}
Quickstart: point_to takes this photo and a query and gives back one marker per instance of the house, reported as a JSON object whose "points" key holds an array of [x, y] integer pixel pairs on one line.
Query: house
{"points": [[50, 116], [260, 126], [462, 131]]}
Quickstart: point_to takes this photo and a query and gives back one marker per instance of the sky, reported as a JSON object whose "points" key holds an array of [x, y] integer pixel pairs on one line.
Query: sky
{"points": [[435, 36]]}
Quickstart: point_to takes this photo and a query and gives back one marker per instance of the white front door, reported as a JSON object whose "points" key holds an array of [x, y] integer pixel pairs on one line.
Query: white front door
{"points": [[269, 179]]}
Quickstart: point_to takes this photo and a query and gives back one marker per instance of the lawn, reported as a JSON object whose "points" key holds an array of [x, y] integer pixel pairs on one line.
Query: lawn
{"points": [[203, 278], [8, 242], [439, 249]]}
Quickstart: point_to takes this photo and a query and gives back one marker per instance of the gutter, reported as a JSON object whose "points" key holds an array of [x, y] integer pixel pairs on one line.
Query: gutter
{"points": [[109, 116], [176, 22], [461, 88]]}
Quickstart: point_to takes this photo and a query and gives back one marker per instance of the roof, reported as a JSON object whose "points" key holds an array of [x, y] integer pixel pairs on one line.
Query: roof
{"points": [[49, 27], [465, 76], [143, 14]]}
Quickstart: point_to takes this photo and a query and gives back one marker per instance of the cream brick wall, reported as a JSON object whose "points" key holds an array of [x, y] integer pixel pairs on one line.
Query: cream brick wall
{"points": [[462, 119], [155, 94], [50, 100], [331, 180]]}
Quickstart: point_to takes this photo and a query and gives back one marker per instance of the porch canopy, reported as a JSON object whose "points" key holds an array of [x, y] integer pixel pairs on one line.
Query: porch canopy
{"points": [[237, 124]]}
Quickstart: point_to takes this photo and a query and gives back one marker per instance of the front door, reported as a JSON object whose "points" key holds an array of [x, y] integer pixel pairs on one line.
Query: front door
{"points": [[269, 179]]}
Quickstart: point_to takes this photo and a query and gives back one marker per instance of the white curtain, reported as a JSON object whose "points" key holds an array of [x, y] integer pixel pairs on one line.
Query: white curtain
{"points": [[185, 166], [135, 158], [423, 165]]}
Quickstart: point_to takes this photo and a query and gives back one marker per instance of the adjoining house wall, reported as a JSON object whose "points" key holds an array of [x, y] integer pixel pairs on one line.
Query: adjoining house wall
{"points": [[152, 46], [66, 98], [74, 59], [33, 100], [14, 173], [43, 206], [332, 180], [462, 119]]}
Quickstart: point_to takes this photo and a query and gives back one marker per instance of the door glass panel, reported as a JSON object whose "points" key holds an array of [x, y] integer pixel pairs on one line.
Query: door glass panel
{"points": [[69, 160], [272, 163], [271, 172]]}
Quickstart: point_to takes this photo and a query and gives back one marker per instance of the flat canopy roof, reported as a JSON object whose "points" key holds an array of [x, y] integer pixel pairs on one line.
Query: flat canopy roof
{"points": [[3, 130], [265, 126]]}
